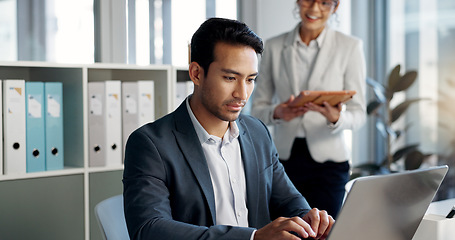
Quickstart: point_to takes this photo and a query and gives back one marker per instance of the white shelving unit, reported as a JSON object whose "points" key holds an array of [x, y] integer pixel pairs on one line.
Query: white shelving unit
{"points": [[59, 204], [180, 74]]}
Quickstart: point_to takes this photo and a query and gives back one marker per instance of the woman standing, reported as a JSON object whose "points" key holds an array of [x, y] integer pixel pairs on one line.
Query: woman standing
{"points": [[310, 139]]}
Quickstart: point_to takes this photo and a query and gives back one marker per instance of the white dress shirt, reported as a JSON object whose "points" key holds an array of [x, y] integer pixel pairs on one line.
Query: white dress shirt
{"points": [[226, 172], [304, 62]]}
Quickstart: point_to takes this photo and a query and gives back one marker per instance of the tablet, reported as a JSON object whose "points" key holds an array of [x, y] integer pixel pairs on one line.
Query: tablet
{"points": [[318, 97]]}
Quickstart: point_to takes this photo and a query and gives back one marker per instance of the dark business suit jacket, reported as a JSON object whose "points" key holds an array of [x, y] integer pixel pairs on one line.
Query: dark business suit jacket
{"points": [[168, 192]]}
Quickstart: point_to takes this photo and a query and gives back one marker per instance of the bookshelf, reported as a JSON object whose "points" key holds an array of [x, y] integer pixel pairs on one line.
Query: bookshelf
{"points": [[180, 75], [59, 204]]}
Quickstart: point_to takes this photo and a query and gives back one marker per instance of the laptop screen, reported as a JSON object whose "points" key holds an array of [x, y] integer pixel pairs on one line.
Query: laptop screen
{"points": [[387, 206]]}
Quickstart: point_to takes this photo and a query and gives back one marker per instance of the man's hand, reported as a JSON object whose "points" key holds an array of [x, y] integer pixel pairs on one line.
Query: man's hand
{"points": [[286, 113], [320, 221], [315, 224]]}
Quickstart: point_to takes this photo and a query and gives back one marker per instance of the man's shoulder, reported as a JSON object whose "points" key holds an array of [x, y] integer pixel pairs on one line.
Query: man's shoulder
{"points": [[249, 119], [160, 126], [253, 124]]}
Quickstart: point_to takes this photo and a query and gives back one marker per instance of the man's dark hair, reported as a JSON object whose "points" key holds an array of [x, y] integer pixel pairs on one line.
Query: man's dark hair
{"points": [[216, 30]]}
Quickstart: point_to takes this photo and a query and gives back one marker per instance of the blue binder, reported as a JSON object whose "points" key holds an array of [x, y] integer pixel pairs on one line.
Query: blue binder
{"points": [[54, 125], [35, 146]]}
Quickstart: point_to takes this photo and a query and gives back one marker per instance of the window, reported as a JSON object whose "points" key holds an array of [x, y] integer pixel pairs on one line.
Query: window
{"points": [[420, 37], [8, 33], [185, 22], [143, 32], [70, 28], [56, 31], [62, 31]]}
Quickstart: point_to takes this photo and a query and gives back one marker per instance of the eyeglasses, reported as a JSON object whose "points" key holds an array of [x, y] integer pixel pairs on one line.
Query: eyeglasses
{"points": [[324, 5]]}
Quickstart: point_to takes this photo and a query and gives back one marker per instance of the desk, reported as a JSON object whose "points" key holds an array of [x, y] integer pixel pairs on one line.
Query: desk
{"points": [[441, 207], [434, 225]]}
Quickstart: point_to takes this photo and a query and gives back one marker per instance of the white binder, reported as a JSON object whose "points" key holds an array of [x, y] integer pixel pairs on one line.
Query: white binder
{"points": [[14, 148], [183, 89], [105, 123], [146, 105], [138, 105], [129, 109], [113, 120], [96, 126]]}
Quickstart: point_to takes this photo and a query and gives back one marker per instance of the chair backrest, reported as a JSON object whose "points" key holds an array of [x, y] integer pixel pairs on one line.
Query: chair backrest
{"points": [[111, 218]]}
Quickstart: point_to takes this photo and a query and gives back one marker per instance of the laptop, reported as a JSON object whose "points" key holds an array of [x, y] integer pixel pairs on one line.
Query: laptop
{"points": [[387, 206]]}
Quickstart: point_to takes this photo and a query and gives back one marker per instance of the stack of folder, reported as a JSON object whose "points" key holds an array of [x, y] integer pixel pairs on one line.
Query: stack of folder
{"points": [[138, 102], [33, 126], [116, 109]]}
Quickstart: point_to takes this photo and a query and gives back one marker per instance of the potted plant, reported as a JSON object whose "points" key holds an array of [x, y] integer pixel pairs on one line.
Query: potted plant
{"points": [[385, 115], [446, 136]]}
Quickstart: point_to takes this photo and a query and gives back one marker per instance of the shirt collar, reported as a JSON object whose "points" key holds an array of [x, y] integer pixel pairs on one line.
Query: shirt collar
{"points": [[202, 134], [319, 40]]}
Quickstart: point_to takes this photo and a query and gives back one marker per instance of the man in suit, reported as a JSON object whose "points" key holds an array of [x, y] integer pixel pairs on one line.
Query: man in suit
{"points": [[205, 171]]}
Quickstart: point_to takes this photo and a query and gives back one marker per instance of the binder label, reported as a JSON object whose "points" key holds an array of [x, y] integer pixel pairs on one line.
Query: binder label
{"points": [[14, 102], [130, 104], [147, 104], [34, 105], [96, 105], [53, 106], [113, 106]]}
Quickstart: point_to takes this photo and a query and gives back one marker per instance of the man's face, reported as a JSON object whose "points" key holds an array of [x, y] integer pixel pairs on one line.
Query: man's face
{"points": [[229, 81]]}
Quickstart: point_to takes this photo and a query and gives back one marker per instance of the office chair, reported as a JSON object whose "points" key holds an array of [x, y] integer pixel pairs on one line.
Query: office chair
{"points": [[111, 218]]}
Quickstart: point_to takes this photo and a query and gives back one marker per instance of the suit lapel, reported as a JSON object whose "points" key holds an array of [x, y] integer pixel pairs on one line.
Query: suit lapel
{"points": [[322, 60], [251, 172], [188, 141], [288, 56]]}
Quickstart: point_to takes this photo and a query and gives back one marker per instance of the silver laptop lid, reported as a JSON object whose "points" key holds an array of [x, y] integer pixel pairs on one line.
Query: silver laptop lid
{"points": [[387, 206]]}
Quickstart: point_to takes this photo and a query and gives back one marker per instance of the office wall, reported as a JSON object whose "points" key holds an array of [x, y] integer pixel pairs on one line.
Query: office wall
{"points": [[270, 17], [275, 17]]}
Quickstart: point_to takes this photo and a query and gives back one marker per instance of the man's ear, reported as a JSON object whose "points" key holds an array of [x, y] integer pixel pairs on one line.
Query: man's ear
{"points": [[195, 72]]}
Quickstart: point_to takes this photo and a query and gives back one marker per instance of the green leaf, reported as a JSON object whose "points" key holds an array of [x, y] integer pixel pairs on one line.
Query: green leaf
{"points": [[404, 82], [402, 107], [373, 106], [413, 160], [384, 162], [389, 94], [404, 151], [400, 132], [394, 77]]}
